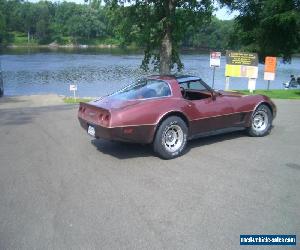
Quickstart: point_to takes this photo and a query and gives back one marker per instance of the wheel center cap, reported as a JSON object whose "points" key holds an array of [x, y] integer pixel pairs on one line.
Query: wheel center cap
{"points": [[170, 136]]}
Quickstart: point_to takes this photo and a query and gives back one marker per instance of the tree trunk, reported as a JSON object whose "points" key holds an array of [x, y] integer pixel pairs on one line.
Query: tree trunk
{"points": [[165, 53], [28, 36], [166, 43]]}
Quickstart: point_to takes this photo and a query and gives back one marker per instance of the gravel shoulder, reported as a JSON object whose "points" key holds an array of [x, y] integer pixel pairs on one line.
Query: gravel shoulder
{"points": [[9, 102]]}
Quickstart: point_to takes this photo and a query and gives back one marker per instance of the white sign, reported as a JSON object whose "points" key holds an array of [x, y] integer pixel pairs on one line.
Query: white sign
{"points": [[268, 76], [73, 87], [251, 84], [215, 59]]}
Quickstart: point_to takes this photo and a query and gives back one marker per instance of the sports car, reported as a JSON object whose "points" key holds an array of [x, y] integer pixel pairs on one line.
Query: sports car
{"points": [[167, 111]]}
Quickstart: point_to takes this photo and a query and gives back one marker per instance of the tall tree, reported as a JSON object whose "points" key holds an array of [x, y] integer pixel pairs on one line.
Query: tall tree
{"points": [[269, 27], [2, 27], [214, 36], [159, 26]]}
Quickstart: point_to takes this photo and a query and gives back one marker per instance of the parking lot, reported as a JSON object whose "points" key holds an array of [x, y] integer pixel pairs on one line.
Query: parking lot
{"points": [[60, 189]]}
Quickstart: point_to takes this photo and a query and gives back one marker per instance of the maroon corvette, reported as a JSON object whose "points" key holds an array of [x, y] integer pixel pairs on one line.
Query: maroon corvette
{"points": [[167, 111]]}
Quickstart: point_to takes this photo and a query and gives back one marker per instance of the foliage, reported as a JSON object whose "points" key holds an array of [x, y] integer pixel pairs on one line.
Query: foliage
{"points": [[154, 24], [269, 27], [215, 35], [46, 22]]}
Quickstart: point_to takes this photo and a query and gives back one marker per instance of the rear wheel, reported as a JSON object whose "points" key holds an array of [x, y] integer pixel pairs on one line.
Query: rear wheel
{"points": [[261, 122], [171, 138]]}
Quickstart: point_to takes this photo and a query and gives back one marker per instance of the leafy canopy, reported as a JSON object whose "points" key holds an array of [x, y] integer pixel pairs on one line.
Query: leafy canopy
{"points": [[144, 22], [269, 27]]}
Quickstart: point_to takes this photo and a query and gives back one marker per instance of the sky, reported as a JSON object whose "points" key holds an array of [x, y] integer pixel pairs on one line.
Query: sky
{"points": [[225, 14]]}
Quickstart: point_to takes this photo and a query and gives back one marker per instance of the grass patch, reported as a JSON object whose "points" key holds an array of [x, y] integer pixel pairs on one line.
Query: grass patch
{"points": [[71, 100], [277, 93], [21, 39]]}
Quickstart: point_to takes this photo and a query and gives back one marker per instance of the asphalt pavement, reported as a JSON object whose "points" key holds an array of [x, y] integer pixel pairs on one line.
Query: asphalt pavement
{"points": [[60, 189]]}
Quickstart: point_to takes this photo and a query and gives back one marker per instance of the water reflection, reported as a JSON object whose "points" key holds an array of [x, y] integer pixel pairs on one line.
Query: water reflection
{"points": [[99, 72]]}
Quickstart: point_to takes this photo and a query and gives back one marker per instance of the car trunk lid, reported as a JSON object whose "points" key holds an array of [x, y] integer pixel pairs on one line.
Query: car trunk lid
{"points": [[110, 103]]}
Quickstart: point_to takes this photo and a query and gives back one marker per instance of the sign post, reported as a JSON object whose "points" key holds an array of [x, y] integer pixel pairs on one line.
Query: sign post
{"points": [[215, 61], [227, 83], [270, 69], [242, 64], [73, 87]]}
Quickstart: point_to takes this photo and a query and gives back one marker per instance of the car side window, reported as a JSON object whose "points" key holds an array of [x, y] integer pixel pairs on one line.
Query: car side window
{"points": [[144, 89], [156, 89], [194, 90], [196, 85]]}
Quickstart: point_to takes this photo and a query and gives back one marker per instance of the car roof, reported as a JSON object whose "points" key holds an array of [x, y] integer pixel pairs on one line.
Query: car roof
{"points": [[179, 78]]}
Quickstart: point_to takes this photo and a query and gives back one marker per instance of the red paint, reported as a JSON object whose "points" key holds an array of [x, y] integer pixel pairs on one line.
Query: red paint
{"points": [[137, 120]]}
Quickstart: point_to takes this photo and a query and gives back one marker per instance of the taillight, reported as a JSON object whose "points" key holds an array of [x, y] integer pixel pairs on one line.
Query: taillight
{"points": [[81, 109], [106, 118]]}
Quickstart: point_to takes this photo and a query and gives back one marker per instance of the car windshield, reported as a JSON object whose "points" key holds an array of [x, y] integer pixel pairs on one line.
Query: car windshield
{"points": [[144, 89]]}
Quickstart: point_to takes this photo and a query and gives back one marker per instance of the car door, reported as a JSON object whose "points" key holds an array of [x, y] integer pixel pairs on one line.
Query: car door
{"points": [[211, 113]]}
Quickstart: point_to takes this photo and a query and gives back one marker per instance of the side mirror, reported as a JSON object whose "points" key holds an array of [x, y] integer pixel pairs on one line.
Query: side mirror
{"points": [[214, 95]]}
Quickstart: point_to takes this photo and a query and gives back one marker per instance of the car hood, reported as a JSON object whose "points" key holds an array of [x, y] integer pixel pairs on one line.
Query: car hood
{"points": [[110, 103]]}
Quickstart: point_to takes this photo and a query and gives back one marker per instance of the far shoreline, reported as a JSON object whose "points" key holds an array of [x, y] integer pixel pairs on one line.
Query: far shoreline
{"points": [[55, 46], [67, 46]]}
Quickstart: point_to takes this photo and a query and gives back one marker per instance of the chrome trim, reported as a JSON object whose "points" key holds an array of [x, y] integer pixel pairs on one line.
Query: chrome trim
{"points": [[208, 117], [162, 116], [154, 124], [257, 105], [126, 126]]}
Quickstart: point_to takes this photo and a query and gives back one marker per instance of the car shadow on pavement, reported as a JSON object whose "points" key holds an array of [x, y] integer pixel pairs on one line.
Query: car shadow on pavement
{"points": [[123, 150], [208, 140]]}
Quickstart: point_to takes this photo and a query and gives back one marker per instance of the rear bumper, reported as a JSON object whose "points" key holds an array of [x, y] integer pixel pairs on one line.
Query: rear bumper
{"points": [[137, 134]]}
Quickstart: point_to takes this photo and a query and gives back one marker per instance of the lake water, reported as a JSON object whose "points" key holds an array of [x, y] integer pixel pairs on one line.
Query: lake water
{"points": [[99, 72]]}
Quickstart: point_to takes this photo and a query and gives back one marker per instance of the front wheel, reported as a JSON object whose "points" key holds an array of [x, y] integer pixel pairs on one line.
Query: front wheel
{"points": [[171, 138], [261, 122]]}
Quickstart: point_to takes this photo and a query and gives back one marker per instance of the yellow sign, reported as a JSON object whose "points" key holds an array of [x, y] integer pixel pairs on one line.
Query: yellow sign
{"points": [[241, 71], [241, 58]]}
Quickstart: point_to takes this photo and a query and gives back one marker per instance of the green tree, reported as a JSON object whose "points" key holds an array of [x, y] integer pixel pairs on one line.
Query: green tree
{"points": [[269, 27], [42, 12], [2, 27], [215, 35], [87, 23], [159, 27], [23, 17]]}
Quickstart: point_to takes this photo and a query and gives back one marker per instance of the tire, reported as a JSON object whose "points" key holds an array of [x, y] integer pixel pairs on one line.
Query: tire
{"points": [[261, 121], [171, 138]]}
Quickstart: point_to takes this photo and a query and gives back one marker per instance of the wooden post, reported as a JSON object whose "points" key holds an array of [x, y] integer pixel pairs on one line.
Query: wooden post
{"points": [[227, 83], [214, 71]]}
